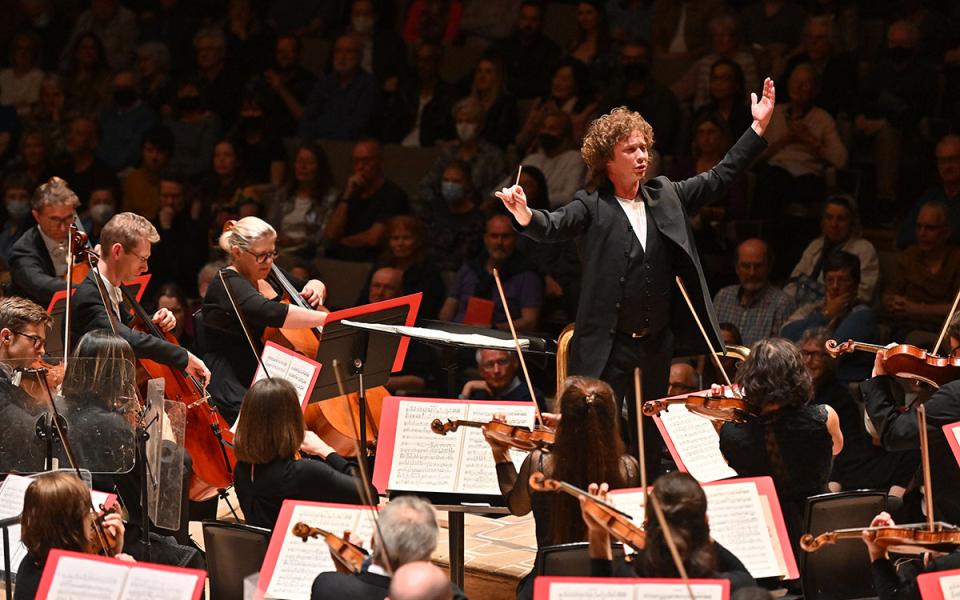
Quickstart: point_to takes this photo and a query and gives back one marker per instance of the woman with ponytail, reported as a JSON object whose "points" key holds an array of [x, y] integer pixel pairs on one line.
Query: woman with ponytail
{"points": [[684, 507], [792, 440], [588, 447]]}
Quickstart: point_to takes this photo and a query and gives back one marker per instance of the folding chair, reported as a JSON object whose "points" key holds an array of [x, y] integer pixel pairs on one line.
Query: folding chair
{"points": [[569, 559], [233, 552]]}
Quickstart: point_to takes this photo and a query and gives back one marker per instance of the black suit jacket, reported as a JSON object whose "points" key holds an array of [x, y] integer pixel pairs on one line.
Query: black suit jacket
{"points": [[89, 314], [32, 271], [365, 586], [601, 224]]}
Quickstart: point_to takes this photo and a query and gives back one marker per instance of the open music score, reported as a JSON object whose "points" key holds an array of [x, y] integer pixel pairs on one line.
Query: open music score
{"points": [[940, 585], [12, 491], [296, 368], [745, 518], [618, 588], [952, 432], [291, 564], [411, 457], [74, 575]]}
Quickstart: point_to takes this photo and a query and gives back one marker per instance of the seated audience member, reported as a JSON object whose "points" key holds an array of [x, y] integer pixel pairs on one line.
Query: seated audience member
{"points": [[773, 27], [269, 441], [569, 92], [499, 379], [183, 245], [17, 189], [87, 76], [684, 379], [803, 143], [841, 312], [862, 464], [171, 297], [593, 46], [527, 53], [113, 24], [500, 117], [223, 184], [947, 191], [839, 231], [344, 103], [755, 306], [435, 22], [792, 441], [38, 260], [419, 115], [141, 188], [927, 275], [81, 168], [384, 53], [421, 580], [455, 219], [837, 70], [49, 115], [301, 208], [258, 145], [123, 125], [20, 82], [727, 97], [555, 154], [682, 31], [483, 159], [406, 251], [57, 515], [408, 527], [356, 227], [695, 84], [288, 84], [195, 131], [474, 290], [684, 506], [34, 153], [896, 580], [101, 205], [711, 140], [153, 68], [220, 80]]}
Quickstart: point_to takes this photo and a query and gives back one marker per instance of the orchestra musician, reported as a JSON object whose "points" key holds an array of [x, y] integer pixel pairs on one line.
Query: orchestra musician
{"points": [[587, 448], [251, 244], [270, 438], [125, 243], [636, 240], [38, 260], [57, 513], [684, 505]]}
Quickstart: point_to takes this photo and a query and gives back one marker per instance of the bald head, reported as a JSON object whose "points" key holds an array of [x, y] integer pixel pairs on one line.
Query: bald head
{"points": [[385, 284], [683, 379], [420, 581], [753, 264]]}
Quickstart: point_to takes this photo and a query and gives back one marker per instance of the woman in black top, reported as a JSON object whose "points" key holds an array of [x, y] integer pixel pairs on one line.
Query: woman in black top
{"points": [[251, 245], [684, 506], [57, 513], [588, 448], [270, 469]]}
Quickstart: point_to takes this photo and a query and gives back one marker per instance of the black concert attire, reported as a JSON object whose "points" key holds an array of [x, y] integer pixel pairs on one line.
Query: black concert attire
{"points": [[634, 314], [32, 271], [898, 582], [898, 430], [365, 586], [263, 488]]}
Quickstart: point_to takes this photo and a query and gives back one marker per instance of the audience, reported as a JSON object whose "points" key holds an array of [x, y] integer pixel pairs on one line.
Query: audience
{"points": [[123, 126], [837, 72], [555, 154], [946, 191], [141, 188], [20, 82], [454, 218], [527, 53], [570, 91], [499, 379], [288, 85], [419, 114], [301, 208], [695, 84], [81, 168]]}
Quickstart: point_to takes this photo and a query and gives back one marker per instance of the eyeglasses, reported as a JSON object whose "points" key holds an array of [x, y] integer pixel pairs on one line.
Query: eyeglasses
{"points": [[143, 259], [499, 362], [36, 339], [263, 256], [62, 221]]}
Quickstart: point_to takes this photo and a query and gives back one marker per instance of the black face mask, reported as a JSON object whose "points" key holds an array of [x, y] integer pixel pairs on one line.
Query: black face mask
{"points": [[900, 54], [251, 123], [636, 71], [548, 142], [125, 97], [187, 104]]}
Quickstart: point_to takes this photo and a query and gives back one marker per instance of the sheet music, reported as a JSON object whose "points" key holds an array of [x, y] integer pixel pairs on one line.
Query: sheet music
{"points": [[299, 562], [466, 339], [697, 443], [950, 586], [151, 584], [422, 460], [82, 579], [678, 591], [478, 471], [285, 365], [633, 591]]}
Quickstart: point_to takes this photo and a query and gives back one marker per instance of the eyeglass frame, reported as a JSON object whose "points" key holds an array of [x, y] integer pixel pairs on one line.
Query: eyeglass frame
{"points": [[262, 257], [36, 339]]}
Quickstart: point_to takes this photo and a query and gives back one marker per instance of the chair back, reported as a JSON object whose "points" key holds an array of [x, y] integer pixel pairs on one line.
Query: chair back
{"points": [[570, 559], [233, 551], [836, 571]]}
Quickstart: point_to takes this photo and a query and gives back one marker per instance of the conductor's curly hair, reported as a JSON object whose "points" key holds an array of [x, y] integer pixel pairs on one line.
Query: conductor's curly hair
{"points": [[603, 135]]}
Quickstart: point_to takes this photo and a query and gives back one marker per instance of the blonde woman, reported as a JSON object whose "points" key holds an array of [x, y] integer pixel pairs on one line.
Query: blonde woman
{"points": [[251, 246]]}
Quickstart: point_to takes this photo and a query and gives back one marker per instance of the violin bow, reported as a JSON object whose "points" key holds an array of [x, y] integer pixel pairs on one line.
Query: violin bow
{"points": [[362, 483], [243, 321], [516, 343], [706, 338], [946, 323]]}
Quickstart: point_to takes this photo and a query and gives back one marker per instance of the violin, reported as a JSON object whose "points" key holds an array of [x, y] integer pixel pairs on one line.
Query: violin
{"points": [[942, 537], [515, 436], [618, 524], [905, 361], [349, 558], [39, 377], [715, 408], [105, 539]]}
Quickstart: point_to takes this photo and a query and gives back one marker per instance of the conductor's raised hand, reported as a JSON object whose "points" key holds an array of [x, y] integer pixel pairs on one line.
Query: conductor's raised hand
{"points": [[762, 109], [516, 202]]}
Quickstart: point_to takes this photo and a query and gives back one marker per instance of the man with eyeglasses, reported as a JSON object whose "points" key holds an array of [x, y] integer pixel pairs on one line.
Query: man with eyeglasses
{"points": [[125, 243], [499, 380], [38, 260]]}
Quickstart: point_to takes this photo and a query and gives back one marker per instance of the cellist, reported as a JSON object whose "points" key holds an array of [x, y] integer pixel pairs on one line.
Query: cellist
{"points": [[251, 245]]}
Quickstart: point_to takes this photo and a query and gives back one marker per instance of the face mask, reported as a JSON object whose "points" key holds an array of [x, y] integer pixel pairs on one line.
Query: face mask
{"points": [[636, 71], [125, 97], [548, 142], [186, 104], [362, 24], [251, 123], [101, 213], [466, 131], [18, 209], [451, 192]]}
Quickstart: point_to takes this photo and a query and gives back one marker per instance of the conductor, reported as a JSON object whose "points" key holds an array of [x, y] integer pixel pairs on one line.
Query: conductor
{"points": [[634, 240]]}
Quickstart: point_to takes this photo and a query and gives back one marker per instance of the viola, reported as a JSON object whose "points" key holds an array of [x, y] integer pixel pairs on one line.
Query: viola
{"points": [[515, 436], [349, 558], [617, 523], [715, 408], [905, 361], [942, 537]]}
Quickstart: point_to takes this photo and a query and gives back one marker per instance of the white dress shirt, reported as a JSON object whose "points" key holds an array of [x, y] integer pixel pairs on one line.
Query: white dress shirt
{"points": [[637, 215]]}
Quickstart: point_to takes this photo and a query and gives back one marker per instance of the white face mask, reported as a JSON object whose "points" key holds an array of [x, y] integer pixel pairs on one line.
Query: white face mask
{"points": [[466, 131], [101, 213]]}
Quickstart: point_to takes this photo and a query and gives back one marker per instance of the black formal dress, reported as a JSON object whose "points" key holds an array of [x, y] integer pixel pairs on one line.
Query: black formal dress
{"points": [[32, 271], [900, 582], [631, 313], [365, 586], [728, 567]]}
